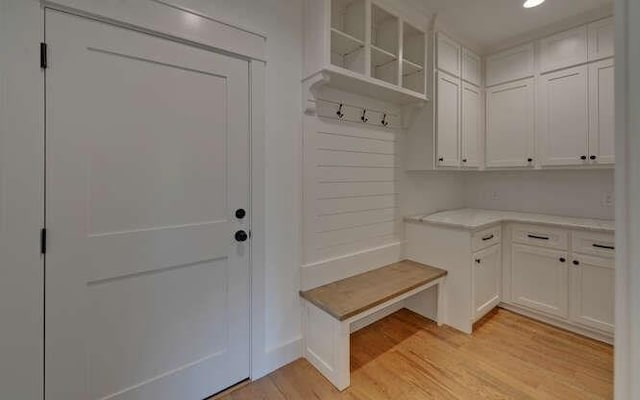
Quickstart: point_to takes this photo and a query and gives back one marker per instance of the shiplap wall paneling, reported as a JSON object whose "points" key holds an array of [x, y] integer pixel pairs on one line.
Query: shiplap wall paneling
{"points": [[351, 188]]}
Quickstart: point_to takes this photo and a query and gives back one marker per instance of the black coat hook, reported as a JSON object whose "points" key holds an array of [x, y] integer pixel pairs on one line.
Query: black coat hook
{"points": [[364, 116], [339, 113], [384, 121]]}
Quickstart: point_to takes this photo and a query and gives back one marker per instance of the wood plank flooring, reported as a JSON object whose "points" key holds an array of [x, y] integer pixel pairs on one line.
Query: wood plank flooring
{"points": [[405, 356]]}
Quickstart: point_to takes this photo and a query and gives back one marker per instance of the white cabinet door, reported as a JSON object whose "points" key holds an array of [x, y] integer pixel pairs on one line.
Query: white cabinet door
{"points": [[486, 274], [510, 65], [471, 67], [601, 39], [563, 105], [564, 49], [592, 292], [510, 124], [471, 125], [448, 120], [602, 112], [448, 55], [539, 279]]}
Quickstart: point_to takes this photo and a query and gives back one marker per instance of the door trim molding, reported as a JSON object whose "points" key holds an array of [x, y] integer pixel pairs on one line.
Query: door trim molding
{"points": [[22, 130]]}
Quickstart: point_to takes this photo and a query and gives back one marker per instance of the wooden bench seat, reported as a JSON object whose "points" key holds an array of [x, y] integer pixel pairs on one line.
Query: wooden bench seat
{"points": [[330, 310]]}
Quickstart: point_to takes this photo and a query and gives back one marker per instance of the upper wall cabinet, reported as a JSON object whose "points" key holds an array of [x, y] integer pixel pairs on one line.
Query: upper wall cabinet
{"points": [[448, 119], [361, 47], [448, 55], [471, 124], [510, 65], [471, 67], [601, 39], [564, 49], [510, 124], [563, 107]]}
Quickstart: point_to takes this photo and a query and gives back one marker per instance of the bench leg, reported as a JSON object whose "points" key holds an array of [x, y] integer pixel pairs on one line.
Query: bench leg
{"points": [[440, 317], [326, 345]]}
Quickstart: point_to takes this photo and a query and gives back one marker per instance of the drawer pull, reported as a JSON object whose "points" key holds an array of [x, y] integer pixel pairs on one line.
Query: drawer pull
{"points": [[490, 237], [601, 246], [538, 237]]}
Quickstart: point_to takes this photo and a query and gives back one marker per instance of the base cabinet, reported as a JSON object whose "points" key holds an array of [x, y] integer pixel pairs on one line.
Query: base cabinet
{"points": [[539, 279], [486, 274], [592, 292]]}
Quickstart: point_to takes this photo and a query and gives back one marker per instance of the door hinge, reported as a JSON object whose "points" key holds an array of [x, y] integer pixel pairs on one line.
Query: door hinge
{"points": [[43, 241], [43, 55]]}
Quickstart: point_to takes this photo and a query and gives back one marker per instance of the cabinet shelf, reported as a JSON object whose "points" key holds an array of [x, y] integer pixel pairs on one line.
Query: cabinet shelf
{"points": [[381, 57], [410, 67], [343, 79], [343, 43]]}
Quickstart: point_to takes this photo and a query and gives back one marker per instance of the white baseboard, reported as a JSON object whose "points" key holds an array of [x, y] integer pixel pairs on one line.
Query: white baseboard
{"points": [[601, 337], [334, 269], [279, 356]]}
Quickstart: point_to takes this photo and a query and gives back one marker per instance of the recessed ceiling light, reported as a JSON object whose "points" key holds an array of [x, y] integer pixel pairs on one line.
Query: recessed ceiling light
{"points": [[532, 3]]}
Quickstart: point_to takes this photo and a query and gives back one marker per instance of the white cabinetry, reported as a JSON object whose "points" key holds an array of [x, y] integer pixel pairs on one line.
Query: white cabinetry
{"points": [[361, 47], [563, 49], [458, 105], [471, 67], [601, 112], [472, 288], [471, 116], [510, 124], [563, 107], [539, 279], [510, 65], [601, 39], [567, 276], [448, 120], [447, 55], [593, 292], [486, 274]]}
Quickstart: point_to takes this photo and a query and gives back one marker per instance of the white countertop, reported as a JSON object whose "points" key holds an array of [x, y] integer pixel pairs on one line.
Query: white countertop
{"points": [[473, 219]]}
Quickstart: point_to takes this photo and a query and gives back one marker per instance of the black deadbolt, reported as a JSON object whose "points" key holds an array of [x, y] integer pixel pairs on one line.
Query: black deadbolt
{"points": [[241, 236], [241, 213]]}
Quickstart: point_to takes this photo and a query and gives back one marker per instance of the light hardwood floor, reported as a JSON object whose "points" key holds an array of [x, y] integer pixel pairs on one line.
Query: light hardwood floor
{"points": [[405, 356]]}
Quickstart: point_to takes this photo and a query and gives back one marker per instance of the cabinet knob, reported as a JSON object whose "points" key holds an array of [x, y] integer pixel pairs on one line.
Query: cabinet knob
{"points": [[477, 261], [593, 157], [464, 160], [529, 159], [441, 159], [583, 157], [576, 262], [562, 259]]}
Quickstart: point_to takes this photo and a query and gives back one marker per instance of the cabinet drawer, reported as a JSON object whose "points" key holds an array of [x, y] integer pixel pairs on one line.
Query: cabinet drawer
{"points": [[486, 237], [593, 243], [541, 236]]}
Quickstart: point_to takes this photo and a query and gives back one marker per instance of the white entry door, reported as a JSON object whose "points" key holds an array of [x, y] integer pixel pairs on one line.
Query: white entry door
{"points": [[147, 286]]}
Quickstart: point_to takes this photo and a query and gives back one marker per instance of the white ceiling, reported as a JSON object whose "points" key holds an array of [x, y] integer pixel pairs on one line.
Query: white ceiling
{"points": [[490, 24]]}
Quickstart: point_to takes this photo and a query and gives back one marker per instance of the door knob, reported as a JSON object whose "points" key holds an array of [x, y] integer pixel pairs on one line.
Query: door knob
{"points": [[241, 236], [240, 213]]}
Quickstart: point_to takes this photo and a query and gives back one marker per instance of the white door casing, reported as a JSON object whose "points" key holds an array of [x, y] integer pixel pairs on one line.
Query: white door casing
{"points": [[602, 112], [147, 292]]}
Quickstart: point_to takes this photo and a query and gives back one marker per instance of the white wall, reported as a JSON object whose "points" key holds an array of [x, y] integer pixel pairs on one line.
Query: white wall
{"points": [[281, 22], [574, 193], [431, 191]]}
